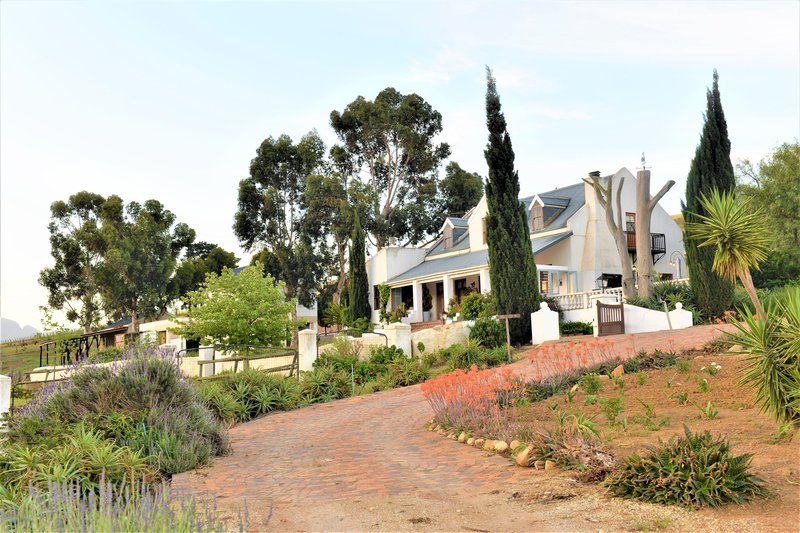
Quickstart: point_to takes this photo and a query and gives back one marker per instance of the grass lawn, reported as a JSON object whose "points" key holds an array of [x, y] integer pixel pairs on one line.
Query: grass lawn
{"points": [[23, 355]]}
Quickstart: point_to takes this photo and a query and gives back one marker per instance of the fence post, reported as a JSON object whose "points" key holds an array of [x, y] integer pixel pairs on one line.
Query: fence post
{"points": [[307, 349], [5, 396]]}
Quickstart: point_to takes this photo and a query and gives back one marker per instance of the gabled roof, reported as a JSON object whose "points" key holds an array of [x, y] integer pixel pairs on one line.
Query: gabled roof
{"points": [[458, 222], [568, 199], [471, 260]]}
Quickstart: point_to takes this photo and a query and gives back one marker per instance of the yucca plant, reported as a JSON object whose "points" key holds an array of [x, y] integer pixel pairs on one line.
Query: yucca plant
{"points": [[696, 470], [739, 234], [773, 355]]}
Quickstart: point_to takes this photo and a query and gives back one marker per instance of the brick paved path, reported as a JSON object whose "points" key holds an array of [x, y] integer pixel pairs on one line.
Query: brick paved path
{"points": [[351, 457]]}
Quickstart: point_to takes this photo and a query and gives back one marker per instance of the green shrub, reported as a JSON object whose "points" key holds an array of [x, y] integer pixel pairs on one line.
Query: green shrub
{"points": [[694, 471], [773, 355], [463, 356], [488, 332], [324, 384], [475, 305], [612, 408], [336, 361], [107, 354], [590, 384], [405, 372], [84, 457], [146, 404], [576, 328]]}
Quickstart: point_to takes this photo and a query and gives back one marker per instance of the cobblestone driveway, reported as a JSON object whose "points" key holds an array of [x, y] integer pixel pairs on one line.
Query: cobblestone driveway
{"points": [[348, 464]]}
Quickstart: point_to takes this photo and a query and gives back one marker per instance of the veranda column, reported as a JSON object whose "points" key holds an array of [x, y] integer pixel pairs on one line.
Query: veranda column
{"points": [[486, 284], [448, 290], [416, 289]]}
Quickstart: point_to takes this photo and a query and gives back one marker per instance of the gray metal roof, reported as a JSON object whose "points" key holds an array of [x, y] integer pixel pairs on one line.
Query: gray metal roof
{"points": [[470, 260], [572, 197], [457, 221]]}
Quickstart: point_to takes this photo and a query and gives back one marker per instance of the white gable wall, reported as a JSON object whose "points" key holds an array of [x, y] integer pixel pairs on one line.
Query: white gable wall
{"points": [[600, 253], [476, 226]]}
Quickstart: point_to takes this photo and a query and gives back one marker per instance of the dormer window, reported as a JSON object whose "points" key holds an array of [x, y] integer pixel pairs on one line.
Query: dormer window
{"points": [[448, 236], [537, 217]]}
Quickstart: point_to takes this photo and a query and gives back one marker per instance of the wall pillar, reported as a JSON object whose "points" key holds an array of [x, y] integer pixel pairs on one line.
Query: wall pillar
{"points": [[486, 283], [416, 293], [5, 396], [399, 335], [307, 349], [544, 325]]}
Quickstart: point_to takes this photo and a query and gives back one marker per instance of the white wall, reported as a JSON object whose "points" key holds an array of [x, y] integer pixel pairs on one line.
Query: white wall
{"points": [[600, 253], [476, 226], [389, 262]]}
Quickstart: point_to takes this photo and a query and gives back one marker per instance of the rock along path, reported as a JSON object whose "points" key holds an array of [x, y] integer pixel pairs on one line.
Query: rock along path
{"points": [[368, 462]]}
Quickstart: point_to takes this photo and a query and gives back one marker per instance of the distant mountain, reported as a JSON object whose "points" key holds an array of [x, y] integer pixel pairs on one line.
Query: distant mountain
{"points": [[11, 330]]}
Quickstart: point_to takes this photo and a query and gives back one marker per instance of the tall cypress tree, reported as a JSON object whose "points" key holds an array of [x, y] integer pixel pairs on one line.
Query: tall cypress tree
{"points": [[359, 285], [711, 169], [511, 267]]}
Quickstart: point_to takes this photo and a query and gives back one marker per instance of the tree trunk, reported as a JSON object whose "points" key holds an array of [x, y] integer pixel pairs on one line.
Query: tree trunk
{"points": [[134, 322], [747, 283], [644, 244], [604, 198]]}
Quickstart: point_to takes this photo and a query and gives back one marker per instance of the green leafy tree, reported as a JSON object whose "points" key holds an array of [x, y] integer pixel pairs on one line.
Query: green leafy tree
{"points": [[711, 169], [359, 284], [143, 244], [271, 212], [77, 246], [201, 259], [235, 309], [511, 267], [774, 185], [737, 235], [392, 139], [459, 191]]}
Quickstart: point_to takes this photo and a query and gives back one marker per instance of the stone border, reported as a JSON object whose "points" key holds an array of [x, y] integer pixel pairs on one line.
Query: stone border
{"points": [[520, 452]]}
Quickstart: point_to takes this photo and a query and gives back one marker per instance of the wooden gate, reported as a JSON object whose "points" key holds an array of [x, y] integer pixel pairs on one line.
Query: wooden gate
{"points": [[610, 319]]}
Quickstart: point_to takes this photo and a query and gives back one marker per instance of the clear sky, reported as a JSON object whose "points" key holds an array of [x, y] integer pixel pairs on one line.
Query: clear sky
{"points": [[170, 100]]}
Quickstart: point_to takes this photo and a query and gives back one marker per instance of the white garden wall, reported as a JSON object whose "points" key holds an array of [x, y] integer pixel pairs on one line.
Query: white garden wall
{"points": [[439, 337]]}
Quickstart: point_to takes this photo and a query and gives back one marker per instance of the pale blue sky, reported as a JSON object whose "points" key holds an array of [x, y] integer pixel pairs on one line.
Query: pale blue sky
{"points": [[170, 100]]}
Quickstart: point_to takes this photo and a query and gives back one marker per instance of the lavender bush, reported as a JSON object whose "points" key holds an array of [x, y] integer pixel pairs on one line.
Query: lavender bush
{"points": [[141, 402], [66, 506]]}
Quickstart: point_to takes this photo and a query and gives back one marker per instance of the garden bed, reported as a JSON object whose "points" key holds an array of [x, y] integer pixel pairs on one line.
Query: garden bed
{"points": [[649, 405]]}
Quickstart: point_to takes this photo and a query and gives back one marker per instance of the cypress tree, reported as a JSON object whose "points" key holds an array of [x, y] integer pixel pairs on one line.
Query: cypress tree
{"points": [[511, 267], [711, 169], [359, 285]]}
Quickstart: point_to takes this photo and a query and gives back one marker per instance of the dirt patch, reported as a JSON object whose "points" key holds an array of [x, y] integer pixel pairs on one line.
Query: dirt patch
{"points": [[657, 404]]}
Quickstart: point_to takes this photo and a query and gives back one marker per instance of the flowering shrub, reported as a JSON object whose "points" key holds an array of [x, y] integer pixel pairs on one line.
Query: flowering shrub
{"points": [[65, 506], [554, 359], [481, 401]]}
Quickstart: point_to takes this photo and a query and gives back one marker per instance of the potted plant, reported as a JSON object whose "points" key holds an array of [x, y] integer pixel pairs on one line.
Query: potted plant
{"points": [[427, 304]]}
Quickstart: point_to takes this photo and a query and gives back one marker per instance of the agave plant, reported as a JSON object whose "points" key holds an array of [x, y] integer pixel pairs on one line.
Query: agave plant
{"points": [[773, 350], [739, 234], [696, 470]]}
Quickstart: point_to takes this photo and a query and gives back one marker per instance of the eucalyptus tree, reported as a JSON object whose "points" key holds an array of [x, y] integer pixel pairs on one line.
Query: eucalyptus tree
{"points": [[143, 244], [390, 143], [272, 210], [77, 246]]}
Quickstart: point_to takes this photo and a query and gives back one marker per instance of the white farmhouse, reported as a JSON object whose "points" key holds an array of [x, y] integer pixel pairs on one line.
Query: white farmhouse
{"points": [[572, 246]]}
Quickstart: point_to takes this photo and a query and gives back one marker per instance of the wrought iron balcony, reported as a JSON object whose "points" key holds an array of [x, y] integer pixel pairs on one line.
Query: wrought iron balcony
{"points": [[658, 243]]}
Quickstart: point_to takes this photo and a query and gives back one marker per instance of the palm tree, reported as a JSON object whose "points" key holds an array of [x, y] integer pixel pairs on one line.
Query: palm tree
{"points": [[740, 236]]}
